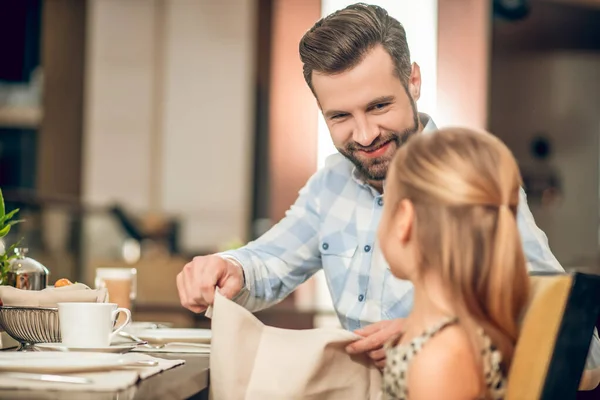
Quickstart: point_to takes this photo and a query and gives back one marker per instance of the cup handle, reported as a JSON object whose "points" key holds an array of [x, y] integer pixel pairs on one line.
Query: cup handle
{"points": [[119, 328]]}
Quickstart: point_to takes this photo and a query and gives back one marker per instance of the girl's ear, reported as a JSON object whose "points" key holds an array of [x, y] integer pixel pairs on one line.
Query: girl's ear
{"points": [[404, 221]]}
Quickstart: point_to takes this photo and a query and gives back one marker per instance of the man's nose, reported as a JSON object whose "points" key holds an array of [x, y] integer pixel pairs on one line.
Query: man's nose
{"points": [[364, 133]]}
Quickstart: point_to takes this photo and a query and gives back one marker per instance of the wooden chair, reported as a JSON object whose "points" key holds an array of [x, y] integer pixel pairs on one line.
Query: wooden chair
{"points": [[555, 337]]}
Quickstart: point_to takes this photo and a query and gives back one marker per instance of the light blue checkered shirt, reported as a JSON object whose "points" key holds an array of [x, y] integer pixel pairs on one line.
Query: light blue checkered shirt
{"points": [[333, 225]]}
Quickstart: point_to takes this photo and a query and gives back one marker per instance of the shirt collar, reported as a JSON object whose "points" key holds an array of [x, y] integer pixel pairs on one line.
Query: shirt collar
{"points": [[427, 122], [428, 127]]}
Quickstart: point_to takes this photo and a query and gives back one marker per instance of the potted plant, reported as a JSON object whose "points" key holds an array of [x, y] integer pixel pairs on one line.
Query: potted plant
{"points": [[6, 254]]}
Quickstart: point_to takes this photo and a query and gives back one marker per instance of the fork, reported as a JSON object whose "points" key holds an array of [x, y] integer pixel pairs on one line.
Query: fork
{"points": [[185, 344], [161, 346]]}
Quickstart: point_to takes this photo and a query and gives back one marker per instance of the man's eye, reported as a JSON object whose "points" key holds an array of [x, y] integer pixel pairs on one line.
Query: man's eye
{"points": [[380, 106], [339, 116]]}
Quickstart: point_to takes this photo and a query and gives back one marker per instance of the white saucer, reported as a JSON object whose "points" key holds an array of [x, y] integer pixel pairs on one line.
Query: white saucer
{"points": [[114, 348]]}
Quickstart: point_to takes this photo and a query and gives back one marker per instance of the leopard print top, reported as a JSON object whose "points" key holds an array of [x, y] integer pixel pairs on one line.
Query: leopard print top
{"points": [[399, 357]]}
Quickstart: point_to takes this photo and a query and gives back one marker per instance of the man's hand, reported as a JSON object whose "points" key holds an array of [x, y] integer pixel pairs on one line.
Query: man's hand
{"points": [[374, 337], [198, 280]]}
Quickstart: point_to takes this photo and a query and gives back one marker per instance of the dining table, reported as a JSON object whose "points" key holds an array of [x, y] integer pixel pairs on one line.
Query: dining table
{"points": [[187, 381]]}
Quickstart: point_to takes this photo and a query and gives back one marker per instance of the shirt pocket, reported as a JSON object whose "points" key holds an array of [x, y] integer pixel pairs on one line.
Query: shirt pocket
{"points": [[338, 244], [337, 254]]}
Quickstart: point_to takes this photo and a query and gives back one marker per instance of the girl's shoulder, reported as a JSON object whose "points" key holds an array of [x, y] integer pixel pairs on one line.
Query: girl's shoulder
{"points": [[448, 360], [445, 355]]}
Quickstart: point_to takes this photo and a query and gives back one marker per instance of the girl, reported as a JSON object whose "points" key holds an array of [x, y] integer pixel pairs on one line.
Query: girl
{"points": [[449, 227]]}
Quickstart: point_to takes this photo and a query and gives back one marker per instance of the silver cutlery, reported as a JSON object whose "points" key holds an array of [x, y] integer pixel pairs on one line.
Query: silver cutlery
{"points": [[158, 326], [144, 363], [133, 337], [179, 344], [161, 346], [47, 377], [185, 344], [137, 340]]}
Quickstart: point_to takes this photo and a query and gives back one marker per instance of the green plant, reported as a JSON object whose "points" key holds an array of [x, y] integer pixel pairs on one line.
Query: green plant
{"points": [[6, 222]]}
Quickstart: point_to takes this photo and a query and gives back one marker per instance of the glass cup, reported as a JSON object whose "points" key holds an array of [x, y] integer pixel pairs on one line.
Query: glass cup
{"points": [[121, 284]]}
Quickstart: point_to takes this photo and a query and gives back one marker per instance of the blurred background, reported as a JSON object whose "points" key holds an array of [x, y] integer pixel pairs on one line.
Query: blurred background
{"points": [[141, 133]]}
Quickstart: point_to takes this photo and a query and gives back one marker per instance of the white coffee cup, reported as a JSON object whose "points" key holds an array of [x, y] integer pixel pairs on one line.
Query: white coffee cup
{"points": [[90, 325]]}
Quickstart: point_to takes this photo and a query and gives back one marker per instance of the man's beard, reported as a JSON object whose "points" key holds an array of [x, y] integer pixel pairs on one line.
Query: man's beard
{"points": [[376, 169]]}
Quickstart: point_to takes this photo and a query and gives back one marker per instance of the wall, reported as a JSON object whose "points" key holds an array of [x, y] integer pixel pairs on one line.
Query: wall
{"points": [[60, 136], [293, 108], [208, 118], [545, 80], [119, 83], [169, 112], [558, 95], [463, 50]]}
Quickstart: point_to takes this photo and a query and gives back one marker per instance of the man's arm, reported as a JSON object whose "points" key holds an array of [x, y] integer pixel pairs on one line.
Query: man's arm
{"points": [[538, 255], [593, 358], [287, 255], [540, 259]]}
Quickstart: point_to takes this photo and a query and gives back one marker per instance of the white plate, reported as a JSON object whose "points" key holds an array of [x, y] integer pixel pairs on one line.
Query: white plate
{"points": [[114, 348], [175, 335], [59, 362]]}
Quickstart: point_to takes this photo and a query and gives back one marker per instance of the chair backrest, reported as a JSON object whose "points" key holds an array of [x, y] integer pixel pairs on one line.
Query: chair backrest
{"points": [[555, 336]]}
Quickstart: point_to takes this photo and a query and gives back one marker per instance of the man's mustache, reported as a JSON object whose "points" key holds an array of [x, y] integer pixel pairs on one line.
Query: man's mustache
{"points": [[376, 144]]}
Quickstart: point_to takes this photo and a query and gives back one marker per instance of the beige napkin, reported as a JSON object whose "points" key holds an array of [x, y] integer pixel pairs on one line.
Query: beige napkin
{"points": [[102, 381], [49, 297], [252, 361]]}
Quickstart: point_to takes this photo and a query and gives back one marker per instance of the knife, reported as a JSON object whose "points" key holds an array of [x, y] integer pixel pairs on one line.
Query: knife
{"points": [[46, 377]]}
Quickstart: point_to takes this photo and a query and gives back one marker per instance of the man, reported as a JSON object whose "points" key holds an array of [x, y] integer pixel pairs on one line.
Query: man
{"points": [[357, 64]]}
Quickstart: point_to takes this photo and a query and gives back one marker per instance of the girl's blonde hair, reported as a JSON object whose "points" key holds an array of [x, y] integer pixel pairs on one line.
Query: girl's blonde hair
{"points": [[465, 189]]}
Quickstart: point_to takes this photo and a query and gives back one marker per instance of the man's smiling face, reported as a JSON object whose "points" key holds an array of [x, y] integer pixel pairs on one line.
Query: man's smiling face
{"points": [[369, 112]]}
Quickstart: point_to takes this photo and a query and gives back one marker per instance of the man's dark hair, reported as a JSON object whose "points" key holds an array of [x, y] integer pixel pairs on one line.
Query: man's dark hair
{"points": [[340, 41]]}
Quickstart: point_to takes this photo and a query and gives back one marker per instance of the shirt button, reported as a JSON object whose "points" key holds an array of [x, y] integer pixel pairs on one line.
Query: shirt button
{"points": [[361, 297], [380, 201], [325, 246], [367, 248]]}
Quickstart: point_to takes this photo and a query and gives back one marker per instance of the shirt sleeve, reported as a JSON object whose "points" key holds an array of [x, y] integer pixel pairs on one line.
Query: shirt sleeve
{"points": [[593, 358], [538, 255], [284, 257]]}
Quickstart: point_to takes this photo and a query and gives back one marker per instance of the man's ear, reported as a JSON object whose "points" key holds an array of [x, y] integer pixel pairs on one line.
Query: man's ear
{"points": [[414, 82]]}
